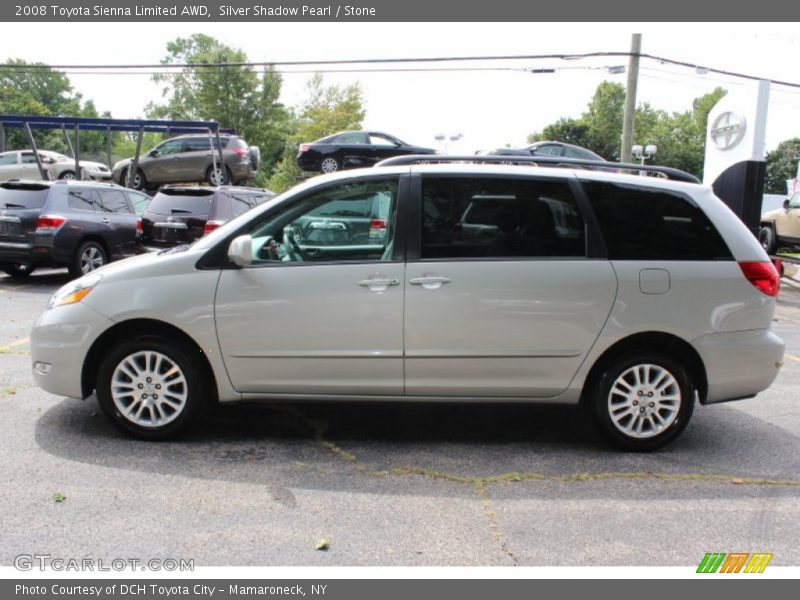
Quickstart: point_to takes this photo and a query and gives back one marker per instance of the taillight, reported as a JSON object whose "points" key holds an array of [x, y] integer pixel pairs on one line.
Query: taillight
{"points": [[211, 226], [377, 224], [49, 222], [305, 147], [240, 151], [763, 276], [377, 229], [139, 227]]}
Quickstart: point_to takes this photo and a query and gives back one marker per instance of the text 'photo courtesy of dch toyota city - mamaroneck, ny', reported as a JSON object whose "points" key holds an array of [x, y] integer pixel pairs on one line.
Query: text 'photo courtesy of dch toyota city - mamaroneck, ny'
{"points": [[398, 299]]}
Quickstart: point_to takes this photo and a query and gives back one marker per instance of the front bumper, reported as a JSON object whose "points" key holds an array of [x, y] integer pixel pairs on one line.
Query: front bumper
{"points": [[739, 364], [60, 340]]}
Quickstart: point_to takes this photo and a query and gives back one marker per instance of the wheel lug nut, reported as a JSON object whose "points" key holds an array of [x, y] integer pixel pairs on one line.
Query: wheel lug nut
{"points": [[155, 396], [158, 386], [650, 395], [635, 402], [149, 380], [652, 404], [144, 396], [641, 410], [639, 392]]}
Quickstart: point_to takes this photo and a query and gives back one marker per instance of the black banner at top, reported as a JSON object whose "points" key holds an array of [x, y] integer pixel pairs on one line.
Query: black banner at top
{"points": [[398, 10]]}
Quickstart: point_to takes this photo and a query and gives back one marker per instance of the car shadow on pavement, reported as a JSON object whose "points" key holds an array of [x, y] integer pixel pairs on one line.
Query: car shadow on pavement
{"points": [[434, 449]]}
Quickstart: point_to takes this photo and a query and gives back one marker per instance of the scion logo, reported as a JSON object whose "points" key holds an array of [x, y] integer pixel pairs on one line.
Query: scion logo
{"points": [[734, 562], [727, 130]]}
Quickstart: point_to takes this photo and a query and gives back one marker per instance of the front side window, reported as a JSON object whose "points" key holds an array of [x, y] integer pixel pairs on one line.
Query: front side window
{"points": [[81, 200], [113, 201], [476, 217], [8, 159], [381, 140], [28, 158], [353, 221], [548, 150], [653, 224]]}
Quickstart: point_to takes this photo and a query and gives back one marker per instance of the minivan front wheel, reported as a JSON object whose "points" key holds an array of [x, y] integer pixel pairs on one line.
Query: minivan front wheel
{"points": [[642, 401], [89, 256], [151, 388]]}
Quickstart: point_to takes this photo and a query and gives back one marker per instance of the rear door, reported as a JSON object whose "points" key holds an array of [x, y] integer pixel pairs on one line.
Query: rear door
{"points": [[29, 168], [117, 222], [355, 150], [501, 299], [195, 158]]}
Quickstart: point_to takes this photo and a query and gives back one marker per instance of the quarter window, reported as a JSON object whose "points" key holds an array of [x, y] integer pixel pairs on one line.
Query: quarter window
{"points": [[651, 224], [140, 202], [353, 221], [499, 217]]}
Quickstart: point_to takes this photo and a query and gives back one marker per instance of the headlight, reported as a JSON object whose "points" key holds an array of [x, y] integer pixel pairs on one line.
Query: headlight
{"points": [[75, 291]]}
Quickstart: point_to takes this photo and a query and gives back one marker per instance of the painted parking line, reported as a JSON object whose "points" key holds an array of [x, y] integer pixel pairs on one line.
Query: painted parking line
{"points": [[22, 342], [791, 357]]}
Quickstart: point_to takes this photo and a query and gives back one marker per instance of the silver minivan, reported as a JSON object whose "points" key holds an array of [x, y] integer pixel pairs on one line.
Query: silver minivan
{"points": [[634, 296]]}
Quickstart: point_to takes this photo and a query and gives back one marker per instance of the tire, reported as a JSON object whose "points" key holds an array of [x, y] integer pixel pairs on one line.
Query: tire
{"points": [[18, 270], [617, 401], [212, 177], [139, 181], [90, 256], [68, 175], [766, 237], [152, 388], [329, 165]]}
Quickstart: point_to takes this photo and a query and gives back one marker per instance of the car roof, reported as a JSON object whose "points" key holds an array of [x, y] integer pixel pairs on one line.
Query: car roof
{"points": [[22, 183], [211, 188]]}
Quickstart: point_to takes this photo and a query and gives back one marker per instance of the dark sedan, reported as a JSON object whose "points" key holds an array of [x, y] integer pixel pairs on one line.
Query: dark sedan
{"points": [[549, 149], [352, 149]]}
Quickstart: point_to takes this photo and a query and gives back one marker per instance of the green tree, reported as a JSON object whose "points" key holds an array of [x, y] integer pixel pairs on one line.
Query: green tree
{"points": [[328, 109], [32, 89], [782, 165], [235, 97], [680, 137]]}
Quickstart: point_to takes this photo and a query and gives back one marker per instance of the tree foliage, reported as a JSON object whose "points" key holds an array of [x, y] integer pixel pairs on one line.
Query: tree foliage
{"points": [[680, 136], [235, 97], [327, 110], [782, 165], [33, 89]]}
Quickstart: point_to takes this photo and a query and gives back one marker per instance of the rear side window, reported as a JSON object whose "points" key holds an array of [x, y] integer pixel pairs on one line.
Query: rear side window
{"points": [[648, 224], [18, 198], [113, 201], [176, 202], [475, 217], [81, 200]]}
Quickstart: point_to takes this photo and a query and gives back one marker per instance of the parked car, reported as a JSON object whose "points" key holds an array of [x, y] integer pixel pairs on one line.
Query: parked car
{"points": [[182, 214], [189, 158], [21, 164], [548, 149], [351, 149], [579, 296], [75, 224], [781, 227]]}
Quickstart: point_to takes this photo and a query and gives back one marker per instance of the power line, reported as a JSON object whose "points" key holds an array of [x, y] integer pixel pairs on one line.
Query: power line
{"points": [[435, 59]]}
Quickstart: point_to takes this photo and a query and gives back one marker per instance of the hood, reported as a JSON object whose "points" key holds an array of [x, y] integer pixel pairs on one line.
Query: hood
{"points": [[773, 214], [122, 163]]}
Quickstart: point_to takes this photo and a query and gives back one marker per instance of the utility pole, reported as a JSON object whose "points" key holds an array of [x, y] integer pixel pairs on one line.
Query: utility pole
{"points": [[630, 98]]}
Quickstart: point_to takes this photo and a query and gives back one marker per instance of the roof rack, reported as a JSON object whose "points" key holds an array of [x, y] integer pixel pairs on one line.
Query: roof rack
{"points": [[668, 172]]}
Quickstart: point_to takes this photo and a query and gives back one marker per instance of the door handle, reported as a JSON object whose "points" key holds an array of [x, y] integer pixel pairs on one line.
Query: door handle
{"points": [[105, 220], [430, 282], [378, 284]]}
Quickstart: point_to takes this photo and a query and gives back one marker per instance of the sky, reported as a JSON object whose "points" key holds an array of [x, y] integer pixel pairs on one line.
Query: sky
{"points": [[488, 108]]}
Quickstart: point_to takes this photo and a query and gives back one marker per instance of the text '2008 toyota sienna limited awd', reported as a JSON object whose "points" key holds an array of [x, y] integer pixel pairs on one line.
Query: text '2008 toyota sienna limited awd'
{"points": [[635, 296]]}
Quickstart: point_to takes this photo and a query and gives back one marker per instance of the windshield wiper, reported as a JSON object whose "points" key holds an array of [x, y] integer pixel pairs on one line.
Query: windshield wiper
{"points": [[175, 249], [181, 211], [7, 205]]}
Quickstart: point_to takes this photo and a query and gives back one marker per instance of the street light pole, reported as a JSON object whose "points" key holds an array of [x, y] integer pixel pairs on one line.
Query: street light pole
{"points": [[630, 98]]}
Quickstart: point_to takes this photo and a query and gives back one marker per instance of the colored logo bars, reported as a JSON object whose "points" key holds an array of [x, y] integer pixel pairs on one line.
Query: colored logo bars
{"points": [[734, 562]]}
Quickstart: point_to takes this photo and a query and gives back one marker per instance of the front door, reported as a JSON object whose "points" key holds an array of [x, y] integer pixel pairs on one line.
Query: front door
{"points": [[319, 310], [502, 301]]}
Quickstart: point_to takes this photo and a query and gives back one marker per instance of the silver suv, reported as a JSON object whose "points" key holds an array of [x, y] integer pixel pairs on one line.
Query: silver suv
{"points": [[634, 296]]}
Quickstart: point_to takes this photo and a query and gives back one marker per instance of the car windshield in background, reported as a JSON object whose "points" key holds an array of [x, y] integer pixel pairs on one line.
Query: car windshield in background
{"points": [[182, 202], [22, 197]]}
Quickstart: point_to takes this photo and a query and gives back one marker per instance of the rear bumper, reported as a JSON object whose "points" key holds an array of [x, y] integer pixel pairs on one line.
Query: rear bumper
{"points": [[739, 364], [307, 163]]}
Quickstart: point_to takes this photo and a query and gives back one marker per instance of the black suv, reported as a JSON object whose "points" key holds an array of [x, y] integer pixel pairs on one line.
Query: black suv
{"points": [[80, 225], [181, 214]]}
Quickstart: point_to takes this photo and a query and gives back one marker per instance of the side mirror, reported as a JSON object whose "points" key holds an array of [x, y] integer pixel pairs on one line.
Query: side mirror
{"points": [[240, 252], [153, 153], [786, 203]]}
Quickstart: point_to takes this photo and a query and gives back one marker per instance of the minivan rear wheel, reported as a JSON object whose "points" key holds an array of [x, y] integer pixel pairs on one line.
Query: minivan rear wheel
{"points": [[150, 387], [90, 256], [642, 401]]}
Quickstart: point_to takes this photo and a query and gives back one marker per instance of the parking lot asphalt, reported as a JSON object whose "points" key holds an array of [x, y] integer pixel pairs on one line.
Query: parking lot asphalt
{"points": [[391, 484]]}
